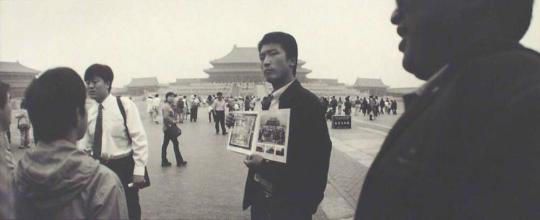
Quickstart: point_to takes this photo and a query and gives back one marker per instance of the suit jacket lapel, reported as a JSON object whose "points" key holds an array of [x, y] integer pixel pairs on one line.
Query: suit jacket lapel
{"points": [[285, 100]]}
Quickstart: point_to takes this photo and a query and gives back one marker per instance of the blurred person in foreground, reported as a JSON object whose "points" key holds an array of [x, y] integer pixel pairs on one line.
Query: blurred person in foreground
{"points": [[56, 180], [7, 163], [444, 161]]}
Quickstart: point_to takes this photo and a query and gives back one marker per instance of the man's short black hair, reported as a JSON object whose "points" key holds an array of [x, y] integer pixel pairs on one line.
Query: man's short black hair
{"points": [[169, 94], [219, 94], [287, 42], [4, 89], [103, 71], [53, 101], [514, 16]]}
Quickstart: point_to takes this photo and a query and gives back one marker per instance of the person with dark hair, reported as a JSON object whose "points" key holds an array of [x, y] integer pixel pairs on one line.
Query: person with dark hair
{"points": [[219, 109], [7, 162], [333, 104], [348, 106], [169, 119], [295, 189], [442, 160], [56, 180], [115, 135], [381, 106], [325, 105], [394, 107], [194, 108]]}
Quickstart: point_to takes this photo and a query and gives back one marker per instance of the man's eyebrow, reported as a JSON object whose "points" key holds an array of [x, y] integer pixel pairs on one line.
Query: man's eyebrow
{"points": [[269, 50]]}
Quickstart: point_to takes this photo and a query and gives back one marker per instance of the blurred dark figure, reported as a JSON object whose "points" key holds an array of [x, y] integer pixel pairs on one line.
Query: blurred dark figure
{"points": [[467, 145], [348, 106], [333, 104]]}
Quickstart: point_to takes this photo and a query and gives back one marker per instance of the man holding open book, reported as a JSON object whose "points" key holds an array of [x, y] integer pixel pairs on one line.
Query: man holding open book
{"points": [[291, 190]]}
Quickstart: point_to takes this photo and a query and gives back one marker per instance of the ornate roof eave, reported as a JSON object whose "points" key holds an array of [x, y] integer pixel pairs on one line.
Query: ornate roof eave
{"points": [[213, 70], [214, 62]]}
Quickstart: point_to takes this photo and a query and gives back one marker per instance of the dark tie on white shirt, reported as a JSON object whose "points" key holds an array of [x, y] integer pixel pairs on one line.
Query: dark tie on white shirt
{"points": [[96, 148]]}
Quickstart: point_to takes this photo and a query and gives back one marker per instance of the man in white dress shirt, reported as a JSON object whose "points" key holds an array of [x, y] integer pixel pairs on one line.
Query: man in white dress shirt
{"points": [[125, 151]]}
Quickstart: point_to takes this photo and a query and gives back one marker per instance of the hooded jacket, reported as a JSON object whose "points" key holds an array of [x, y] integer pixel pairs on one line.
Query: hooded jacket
{"points": [[57, 181]]}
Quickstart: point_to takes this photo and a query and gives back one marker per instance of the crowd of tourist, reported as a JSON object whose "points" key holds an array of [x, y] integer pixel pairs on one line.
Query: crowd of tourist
{"points": [[371, 106]]}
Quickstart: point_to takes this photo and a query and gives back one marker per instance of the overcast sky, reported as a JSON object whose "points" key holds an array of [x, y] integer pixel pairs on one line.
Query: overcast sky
{"points": [[341, 39]]}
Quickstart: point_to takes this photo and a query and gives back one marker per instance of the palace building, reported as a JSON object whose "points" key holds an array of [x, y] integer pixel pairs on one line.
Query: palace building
{"points": [[239, 73], [242, 64], [17, 76]]}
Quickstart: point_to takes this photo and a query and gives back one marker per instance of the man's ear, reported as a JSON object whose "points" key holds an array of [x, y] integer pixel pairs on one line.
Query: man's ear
{"points": [[292, 63]]}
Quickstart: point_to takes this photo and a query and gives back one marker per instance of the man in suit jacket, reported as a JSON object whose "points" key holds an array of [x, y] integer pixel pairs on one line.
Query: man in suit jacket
{"points": [[295, 189], [467, 146]]}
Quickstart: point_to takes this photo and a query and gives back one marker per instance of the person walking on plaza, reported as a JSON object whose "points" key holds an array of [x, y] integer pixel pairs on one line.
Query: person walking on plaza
{"points": [[149, 107], [247, 101], [333, 104], [365, 106], [181, 109], [116, 141], [325, 104], [348, 106], [7, 162], [23, 124], [219, 106], [394, 107], [357, 105], [295, 189], [466, 146], [381, 106], [339, 106], [194, 107], [156, 106], [210, 103], [56, 180], [169, 120]]}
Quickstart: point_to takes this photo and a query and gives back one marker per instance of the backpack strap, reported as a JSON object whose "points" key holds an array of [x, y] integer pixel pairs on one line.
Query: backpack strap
{"points": [[123, 112]]}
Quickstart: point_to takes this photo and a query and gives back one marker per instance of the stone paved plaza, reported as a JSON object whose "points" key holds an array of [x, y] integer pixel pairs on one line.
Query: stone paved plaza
{"points": [[211, 185]]}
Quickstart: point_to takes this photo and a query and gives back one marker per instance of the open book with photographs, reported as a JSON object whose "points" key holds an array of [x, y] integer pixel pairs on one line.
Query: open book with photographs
{"points": [[265, 133]]}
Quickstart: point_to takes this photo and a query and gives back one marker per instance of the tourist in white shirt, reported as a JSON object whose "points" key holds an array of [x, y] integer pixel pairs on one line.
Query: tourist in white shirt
{"points": [[156, 106], [219, 106], [149, 108], [123, 151]]}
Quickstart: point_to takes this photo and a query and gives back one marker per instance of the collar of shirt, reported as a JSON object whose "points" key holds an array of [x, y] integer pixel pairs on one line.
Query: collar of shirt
{"points": [[420, 91], [277, 93], [107, 102]]}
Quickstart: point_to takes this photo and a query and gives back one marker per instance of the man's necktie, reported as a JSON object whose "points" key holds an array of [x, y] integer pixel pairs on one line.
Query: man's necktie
{"points": [[266, 102], [96, 148]]}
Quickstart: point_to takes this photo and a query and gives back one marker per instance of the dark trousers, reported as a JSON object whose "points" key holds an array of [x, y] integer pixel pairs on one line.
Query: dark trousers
{"points": [[177, 154], [210, 116], [123, 167], [193, 114], [219, 119], [265, 209]]}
